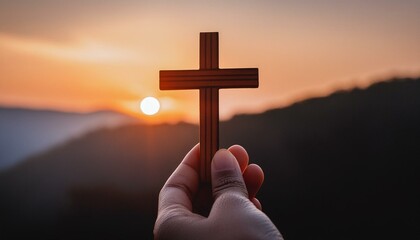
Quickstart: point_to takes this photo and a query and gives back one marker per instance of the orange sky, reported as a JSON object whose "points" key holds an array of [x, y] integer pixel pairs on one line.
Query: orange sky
{"points": [[89, 55]]}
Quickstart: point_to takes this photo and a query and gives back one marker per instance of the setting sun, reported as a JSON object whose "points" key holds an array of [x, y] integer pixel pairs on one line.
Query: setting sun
{"points": [[150, 106]]}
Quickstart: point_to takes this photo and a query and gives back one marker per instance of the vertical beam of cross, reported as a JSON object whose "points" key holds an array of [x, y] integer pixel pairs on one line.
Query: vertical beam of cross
{"points": [[209, 104], [208, 79]]}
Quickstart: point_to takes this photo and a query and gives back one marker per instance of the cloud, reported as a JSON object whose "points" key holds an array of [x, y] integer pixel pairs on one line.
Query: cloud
{"points": [[82, 51]]}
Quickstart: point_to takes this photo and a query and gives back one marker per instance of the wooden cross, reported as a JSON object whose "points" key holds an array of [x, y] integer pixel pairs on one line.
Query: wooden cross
{"points": [[209, 79]]}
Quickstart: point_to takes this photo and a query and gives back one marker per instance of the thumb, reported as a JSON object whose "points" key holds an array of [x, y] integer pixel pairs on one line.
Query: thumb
{"points": [[226, 175]]}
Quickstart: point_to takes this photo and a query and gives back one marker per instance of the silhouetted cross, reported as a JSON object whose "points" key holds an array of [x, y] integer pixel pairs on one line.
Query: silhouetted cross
{"points": [[209, 79]]}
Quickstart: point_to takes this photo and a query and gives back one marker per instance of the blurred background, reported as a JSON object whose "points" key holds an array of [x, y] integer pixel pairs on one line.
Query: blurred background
{"points": [[334, 123]]}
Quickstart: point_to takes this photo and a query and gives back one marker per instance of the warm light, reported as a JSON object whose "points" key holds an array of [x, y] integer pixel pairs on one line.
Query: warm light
{"points": [[149, 106]]}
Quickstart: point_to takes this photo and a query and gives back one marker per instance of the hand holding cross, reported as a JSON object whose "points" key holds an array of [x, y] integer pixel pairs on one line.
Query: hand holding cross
{"points": [[208, 79]]}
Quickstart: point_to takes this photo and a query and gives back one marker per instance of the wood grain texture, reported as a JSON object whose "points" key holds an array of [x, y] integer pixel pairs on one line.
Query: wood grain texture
{"points": [[219, 78]]}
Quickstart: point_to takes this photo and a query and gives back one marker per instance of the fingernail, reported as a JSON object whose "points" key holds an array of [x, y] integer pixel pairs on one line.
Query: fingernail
{"points": [[224, 160]]}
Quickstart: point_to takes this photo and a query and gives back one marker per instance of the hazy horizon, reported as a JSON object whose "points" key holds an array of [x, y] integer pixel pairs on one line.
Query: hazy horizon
{"points": [[152, 119]]}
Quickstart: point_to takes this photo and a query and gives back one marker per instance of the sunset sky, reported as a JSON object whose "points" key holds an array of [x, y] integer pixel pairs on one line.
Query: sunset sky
{"points": [[101, 54]]}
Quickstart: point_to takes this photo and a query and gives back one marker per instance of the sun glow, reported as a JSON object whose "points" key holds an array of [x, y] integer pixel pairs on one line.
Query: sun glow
{"points": [[150, 106]]}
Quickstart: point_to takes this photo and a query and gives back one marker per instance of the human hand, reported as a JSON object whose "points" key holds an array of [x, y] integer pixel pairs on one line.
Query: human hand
{"points": [[235, 213]]}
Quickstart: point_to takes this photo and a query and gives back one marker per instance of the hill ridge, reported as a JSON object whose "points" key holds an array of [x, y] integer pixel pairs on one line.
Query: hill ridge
{"points": [[345, 165]]}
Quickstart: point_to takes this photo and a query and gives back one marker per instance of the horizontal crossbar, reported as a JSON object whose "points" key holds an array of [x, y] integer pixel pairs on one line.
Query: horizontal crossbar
{"points": [[213, 78]]}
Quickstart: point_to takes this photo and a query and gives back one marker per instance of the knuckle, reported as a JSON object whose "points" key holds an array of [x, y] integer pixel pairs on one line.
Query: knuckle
{"points": [[229, 183]]}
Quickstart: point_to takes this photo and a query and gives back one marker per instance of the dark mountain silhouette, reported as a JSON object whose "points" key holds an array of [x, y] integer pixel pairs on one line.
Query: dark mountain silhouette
{"points": [[24, 132], [338, 167]]}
